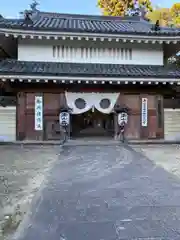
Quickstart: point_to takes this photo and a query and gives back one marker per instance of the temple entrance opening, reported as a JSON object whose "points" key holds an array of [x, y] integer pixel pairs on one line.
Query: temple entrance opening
{"points": [[92, 124], [92, 113]]}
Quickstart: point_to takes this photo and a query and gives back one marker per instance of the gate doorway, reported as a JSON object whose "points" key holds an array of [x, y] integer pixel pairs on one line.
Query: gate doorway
{"points": [[92, 124]]}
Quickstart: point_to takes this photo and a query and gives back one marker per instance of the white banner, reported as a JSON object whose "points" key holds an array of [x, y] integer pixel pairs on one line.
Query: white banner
{"points": [[112, 97], [71, 98], [38, 115], [92, 100], [144, 112]]}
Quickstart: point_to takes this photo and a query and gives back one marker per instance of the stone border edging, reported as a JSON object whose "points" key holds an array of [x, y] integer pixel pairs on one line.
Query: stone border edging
{"points": [[88, 142]]}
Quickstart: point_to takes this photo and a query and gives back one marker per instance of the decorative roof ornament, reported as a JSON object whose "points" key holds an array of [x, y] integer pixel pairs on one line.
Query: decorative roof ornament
{"points": [[130, 12], [28, 14], [136, 11], [156, 27], [27, 17]]}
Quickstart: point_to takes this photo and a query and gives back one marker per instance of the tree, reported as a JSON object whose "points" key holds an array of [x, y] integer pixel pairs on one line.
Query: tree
{"points": [[175, 60], [175, 13], [161, 14], [121, 7], [166, 16]]}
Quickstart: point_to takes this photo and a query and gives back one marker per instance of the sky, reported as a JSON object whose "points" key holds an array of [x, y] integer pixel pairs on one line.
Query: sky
{"points": [[11, 8]]}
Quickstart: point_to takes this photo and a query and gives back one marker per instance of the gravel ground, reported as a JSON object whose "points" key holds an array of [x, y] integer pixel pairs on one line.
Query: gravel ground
{"points": [[22, 170], [108, 192], [165, 156]]}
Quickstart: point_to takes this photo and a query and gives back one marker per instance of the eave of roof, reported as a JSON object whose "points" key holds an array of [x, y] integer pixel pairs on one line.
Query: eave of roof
{"points": [[88, 70], [85, 24]]}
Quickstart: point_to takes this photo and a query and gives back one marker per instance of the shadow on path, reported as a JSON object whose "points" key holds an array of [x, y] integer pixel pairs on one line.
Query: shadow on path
{"points": [[104, 193]]}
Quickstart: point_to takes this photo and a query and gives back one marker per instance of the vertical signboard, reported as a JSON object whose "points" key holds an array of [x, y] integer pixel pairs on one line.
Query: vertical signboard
{"points": [[38, 113], [144, 112]]}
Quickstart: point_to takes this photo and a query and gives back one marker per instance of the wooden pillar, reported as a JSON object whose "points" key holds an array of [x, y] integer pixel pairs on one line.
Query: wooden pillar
{"points": [[160, 117], [150, 130], [21, 116], [116, 127]]}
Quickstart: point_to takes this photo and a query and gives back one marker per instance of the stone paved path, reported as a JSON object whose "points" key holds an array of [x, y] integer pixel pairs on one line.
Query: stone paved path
{"points": [[105, 193]]}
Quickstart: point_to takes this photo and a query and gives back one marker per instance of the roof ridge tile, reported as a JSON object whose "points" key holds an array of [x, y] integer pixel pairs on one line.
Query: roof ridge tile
{"points": [[78, 23], [15, 67]]}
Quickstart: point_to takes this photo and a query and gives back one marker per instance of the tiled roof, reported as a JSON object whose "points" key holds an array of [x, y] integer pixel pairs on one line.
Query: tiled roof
{"points": [[14, 67], [86, 24]]}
